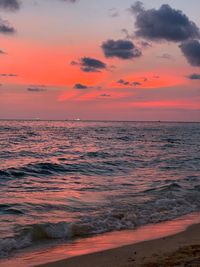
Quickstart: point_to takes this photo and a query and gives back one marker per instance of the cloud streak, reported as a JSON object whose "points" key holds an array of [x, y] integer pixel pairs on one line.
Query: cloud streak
{"points": [[80, 86], [8, 75], [36, 89]]}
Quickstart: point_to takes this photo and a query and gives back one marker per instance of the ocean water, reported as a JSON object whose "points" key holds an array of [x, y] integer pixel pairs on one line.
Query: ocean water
{"points": [[63, 180]]}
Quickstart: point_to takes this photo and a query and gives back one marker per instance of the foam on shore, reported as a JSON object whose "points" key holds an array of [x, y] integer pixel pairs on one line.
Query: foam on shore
{"points": [[41, 255]]}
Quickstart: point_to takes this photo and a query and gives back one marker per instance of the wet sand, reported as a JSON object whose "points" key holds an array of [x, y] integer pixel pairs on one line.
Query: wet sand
{"points": [[182, 249]]}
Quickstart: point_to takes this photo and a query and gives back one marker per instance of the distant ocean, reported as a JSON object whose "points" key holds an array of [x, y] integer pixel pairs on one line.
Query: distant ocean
{"points": [[62, 180]]}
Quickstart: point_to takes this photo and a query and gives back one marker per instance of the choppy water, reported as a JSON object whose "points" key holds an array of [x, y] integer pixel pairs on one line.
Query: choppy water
{"points": [[61, 180]]}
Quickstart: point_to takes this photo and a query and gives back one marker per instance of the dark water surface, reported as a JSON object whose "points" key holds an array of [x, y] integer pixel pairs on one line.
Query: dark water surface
{"points": [[61, 180]]}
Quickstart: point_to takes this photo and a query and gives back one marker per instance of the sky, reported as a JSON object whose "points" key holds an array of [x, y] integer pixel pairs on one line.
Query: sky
{"points": [[100, 60]]}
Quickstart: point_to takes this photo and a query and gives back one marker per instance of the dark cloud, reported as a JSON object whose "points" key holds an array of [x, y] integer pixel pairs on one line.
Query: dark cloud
{"points": [[123, 49], [35, 89], [105, 95], [165, 23], [127, 83], [123, 82], [136, 83], [10, 5], [191, 51], [2, 52], [80, 86], [8, 75], [194, 76], [6, 28], [89, 64]]}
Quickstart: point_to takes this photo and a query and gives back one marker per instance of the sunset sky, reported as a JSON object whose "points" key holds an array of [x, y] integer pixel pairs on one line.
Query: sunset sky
{"points": [[100, 59]]}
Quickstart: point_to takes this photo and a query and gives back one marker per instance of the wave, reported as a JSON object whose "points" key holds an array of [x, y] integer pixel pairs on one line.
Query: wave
{"points": [[84, 168], [165, 188], [169, 205], [103, 176]]}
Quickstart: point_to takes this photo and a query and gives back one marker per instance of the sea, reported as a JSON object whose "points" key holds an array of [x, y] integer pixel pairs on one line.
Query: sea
{"points": [[63, 180]]}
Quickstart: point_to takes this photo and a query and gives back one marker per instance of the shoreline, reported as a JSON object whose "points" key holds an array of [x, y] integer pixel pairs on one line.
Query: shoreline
{"points": [[103, 244], [181, 248]]}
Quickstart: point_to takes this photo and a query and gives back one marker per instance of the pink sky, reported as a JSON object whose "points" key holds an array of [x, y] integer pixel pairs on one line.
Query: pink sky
{"points": [[38, 79]]}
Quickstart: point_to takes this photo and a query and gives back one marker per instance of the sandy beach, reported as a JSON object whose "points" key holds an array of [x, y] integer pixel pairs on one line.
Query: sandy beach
{"points": [[182, 249]]}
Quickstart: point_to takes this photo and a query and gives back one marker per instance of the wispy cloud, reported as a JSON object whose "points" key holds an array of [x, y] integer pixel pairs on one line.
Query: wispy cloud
{"points": [[37, 89], [8, 75]]}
